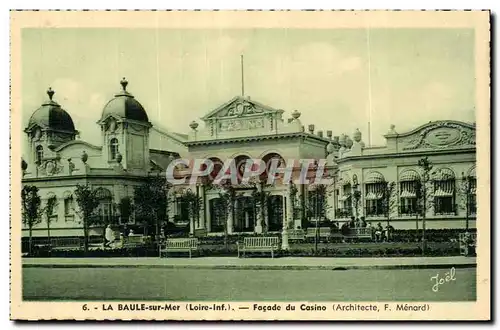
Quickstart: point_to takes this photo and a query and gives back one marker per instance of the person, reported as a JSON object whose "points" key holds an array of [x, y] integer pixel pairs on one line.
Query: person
{"points": [[358, 223], [378, 232], [363, 222], [352, 223], [388, 232], [109, 235]]}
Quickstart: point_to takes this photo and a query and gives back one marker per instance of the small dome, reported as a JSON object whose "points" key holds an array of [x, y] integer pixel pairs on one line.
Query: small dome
{"points": [[330, 148], [357, 135], [124, 105], [51, 115]]}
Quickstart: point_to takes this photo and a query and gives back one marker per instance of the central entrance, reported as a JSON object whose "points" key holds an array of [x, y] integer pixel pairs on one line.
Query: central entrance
{"points": [[275, 212]]}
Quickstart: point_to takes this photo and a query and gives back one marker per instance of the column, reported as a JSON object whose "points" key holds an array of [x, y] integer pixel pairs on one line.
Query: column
{"points": [[230, 219], [286, 217], [258, 216], [207, 215]]}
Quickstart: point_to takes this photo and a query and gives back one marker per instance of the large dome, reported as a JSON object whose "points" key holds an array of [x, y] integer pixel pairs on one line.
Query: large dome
{"points": [[124, 105], [50, 115]]}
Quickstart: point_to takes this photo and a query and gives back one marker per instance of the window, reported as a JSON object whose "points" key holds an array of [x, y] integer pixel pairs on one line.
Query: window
{"points": [[105, 211], [217, 215], [444, 192], [373, 198], [113, 148], [374, 192], [244, 214], [68, 206], [345, 202], [182, 210], [409, 181], [39, 154]]}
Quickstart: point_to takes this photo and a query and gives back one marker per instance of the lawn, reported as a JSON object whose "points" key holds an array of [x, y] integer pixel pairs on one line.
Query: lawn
{"points": [[244, 285]]}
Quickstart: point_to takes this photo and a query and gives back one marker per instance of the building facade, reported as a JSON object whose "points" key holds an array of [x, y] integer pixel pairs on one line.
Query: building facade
{"points": [[133, 148]]}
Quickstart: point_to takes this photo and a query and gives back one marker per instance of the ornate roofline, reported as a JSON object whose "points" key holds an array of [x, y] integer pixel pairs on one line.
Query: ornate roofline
{"points": [[73, 142], [266, 107], [432, 123], [257, 138]]}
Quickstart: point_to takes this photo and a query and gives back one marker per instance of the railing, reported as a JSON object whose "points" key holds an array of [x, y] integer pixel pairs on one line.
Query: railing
{"points": [[343, 213], [445, 209], [408, 210], [374, 212]]}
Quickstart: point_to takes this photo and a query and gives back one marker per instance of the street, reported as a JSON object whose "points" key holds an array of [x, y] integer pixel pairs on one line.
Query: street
{"points": [[246, 285]]}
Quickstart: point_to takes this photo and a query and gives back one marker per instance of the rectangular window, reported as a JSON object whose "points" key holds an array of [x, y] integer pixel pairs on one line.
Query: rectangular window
{"points": [[444, 197], [408, 198], [373, 198]]}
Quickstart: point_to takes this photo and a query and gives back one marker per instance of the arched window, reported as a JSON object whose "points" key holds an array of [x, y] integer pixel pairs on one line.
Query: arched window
{"points": [[105, 210], [39, 154], [113, 148], [68, 206]]}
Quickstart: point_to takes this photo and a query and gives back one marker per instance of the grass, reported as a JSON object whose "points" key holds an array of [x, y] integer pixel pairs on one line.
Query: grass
{"points": [[244, 285]]}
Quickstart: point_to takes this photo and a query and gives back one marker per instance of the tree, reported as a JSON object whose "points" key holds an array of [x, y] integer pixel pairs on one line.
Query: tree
{"points": [[225, 204], [423, 193], [126, 208], [151, 202], [193, 203], [87, 201], [466, 196], [49, 210], [319, 206], [389, 200], [31, 212]]}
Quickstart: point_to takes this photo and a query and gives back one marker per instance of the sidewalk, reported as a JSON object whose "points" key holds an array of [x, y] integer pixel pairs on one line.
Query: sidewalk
{"points": [[285, 263]]}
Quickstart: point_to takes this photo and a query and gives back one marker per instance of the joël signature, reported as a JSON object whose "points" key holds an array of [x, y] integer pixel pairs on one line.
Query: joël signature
{"points": [[440, 280]]}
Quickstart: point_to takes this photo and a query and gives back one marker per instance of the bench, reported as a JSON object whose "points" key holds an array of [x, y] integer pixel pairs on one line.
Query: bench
{"points": [[296, 234], [466, 243], [323, 232], [259, 244], [178, 245], [360, 233], [133, 241]]}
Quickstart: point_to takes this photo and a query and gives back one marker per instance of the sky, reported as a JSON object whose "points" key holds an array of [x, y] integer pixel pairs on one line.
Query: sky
{"points": [[339, 79]]}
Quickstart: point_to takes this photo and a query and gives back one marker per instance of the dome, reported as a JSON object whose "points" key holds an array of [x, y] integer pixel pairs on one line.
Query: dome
{"points": [[50, 115], [124, 105]]}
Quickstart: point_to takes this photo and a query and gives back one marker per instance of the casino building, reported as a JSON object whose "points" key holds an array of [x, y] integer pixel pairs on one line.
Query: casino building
{"points": [[132, 148]]}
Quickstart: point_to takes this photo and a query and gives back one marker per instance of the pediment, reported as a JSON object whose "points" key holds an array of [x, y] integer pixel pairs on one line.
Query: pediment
{"points": [[240, 107], [439, 135]]}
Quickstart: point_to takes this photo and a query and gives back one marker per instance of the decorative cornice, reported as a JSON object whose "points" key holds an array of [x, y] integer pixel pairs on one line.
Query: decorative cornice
{"points": [[257, 138]]}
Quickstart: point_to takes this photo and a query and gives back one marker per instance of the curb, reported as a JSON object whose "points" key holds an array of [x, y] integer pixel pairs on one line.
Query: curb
{"points": [[256, 267]]}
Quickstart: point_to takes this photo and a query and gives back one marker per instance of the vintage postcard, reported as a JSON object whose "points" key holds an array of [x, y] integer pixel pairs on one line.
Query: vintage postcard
{"points": [[243, 165]]}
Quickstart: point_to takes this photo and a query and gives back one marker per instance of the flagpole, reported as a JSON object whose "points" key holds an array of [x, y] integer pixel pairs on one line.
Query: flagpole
{"points": [[369, 88], [242, 77]]}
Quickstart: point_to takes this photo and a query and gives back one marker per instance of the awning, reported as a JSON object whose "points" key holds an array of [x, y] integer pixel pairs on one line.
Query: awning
{"points": [[442, 193], [408, 194], [409, 175], [444, 174], [373, 196], [374, 177]]}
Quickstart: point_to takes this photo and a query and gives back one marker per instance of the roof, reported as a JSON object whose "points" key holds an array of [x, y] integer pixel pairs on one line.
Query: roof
{"points": [[125, 106], [50, 115]]}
